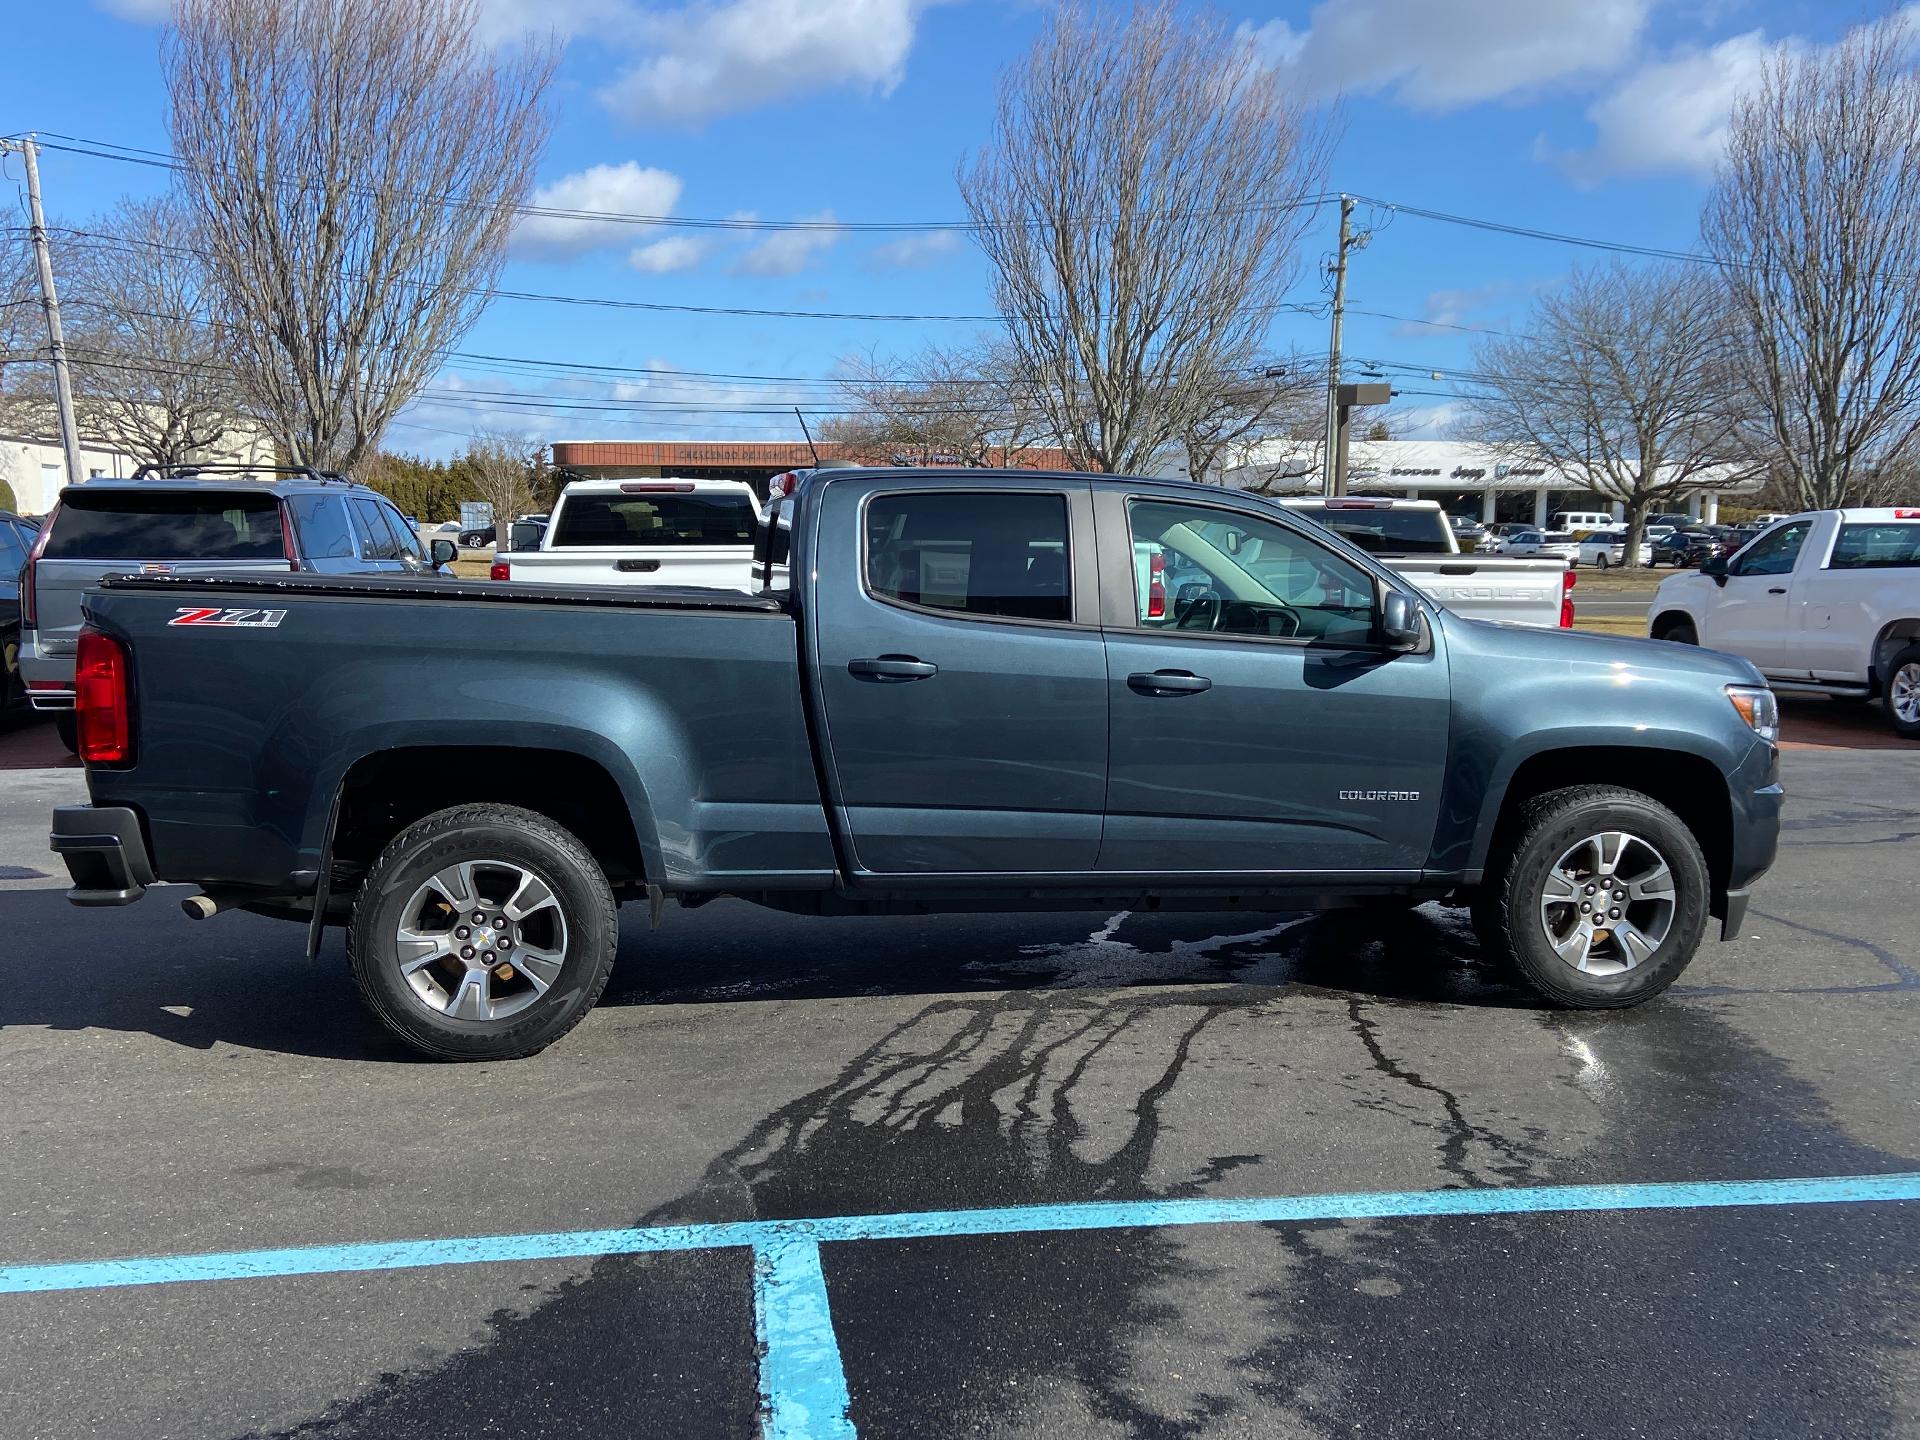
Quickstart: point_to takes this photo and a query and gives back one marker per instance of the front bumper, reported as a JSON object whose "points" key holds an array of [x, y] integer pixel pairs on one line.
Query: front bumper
{"points": [[105, 852]]}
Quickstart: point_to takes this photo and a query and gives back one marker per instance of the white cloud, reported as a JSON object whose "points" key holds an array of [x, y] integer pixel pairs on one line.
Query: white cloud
{"points": [[710, 60], [663, 257], [1466, 306], [146, 12], [629, 189], [788, 252], [912, 251], [1670, 116], [1435, 56]]}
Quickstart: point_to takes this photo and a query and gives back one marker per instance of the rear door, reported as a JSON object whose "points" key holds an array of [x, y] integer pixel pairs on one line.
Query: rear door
{"points": [[1257, 727], [1751, 616], [962, 675], [112, 530], [1870, 574]]}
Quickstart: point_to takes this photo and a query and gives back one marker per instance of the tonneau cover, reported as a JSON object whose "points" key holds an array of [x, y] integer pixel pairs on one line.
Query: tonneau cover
{"points": [[411, 587]]}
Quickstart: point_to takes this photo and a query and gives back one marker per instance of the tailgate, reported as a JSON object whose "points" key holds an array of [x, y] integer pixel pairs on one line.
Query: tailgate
{"points": [[1515, 592], [722, 567]]}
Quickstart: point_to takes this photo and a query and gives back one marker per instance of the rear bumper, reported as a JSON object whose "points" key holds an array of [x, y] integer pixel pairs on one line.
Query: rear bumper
{"points": [[105, 852], [48, 678]]}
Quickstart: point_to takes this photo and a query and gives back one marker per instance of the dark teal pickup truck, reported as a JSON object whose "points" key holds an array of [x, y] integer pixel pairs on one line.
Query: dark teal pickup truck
{"points": [[984, 691]]}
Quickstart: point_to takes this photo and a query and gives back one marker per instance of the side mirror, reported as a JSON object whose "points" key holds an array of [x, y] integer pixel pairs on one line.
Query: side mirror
{"points": [[443, 552], [1716, 566], [1400, 621]]}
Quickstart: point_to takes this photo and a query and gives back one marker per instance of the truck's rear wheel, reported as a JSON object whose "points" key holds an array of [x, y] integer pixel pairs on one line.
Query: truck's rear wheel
{"points": [[483, 932], [1903, 692], [1599, 900]]}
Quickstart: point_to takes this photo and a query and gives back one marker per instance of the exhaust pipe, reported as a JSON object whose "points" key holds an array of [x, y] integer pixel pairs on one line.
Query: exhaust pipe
{"points": [[205, 907]]}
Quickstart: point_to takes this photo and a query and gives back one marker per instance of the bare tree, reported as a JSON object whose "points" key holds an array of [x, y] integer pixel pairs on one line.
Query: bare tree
{"points": [[150, 369], [1815, 219], [1140, 202], [502, 467], [1624, 381], [965, 404], [25, 389], [1225, 425], [355, 166]]}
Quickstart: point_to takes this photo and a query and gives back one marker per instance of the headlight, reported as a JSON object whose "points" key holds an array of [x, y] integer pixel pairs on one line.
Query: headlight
{"points": [[1759, 708]]}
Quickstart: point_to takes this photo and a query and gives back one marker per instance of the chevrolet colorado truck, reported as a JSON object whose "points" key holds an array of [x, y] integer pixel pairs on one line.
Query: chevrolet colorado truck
{"points": [[965, 700], [1825, 603]]}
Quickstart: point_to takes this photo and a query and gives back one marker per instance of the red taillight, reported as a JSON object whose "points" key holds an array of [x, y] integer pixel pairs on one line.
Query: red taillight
{"points": [[105, 729], [29, 606], [1157, 586], [1566, 600], [500, 570], [782, 484]]}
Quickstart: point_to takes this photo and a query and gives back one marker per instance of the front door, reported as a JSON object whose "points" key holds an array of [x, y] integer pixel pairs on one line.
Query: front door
{"points": [[1257, 725], [963, 678], [1751, 617]]}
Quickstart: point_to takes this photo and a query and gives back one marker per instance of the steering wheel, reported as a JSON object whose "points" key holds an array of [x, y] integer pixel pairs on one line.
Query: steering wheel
{"points": [[1197, 606]]}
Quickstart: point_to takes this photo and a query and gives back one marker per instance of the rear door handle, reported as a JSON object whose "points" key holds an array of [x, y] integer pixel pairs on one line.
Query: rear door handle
{"points": [[1169, 682], [892, 668], [1776, 589]]}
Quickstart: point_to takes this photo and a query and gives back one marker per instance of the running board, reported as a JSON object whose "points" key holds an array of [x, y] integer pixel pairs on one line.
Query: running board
{"points": [[1820, 687]]}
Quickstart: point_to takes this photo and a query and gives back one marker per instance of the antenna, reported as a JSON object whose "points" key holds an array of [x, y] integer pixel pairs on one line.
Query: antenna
{"points": [[809, 434]]}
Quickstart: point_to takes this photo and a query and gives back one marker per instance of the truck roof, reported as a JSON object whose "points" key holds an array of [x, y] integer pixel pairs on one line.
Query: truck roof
{"points": [[192, 484]]}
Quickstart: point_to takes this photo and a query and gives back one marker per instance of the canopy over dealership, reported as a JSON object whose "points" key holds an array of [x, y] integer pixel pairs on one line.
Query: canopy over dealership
{"points": [[1465, 477]]}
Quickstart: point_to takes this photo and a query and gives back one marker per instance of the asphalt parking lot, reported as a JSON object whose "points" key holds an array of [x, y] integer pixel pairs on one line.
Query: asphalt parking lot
{"points": [[1321, 1092]]}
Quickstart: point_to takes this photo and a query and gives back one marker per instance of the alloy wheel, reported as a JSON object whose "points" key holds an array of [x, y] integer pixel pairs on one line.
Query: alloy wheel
{"points": [[481, 940], [1608, 903]]}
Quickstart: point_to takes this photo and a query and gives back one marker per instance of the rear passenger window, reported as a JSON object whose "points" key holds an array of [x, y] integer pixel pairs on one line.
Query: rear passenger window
{"points": [[980, 553], [376, 539], [124, 523], [325, 532], [1892, 545]]}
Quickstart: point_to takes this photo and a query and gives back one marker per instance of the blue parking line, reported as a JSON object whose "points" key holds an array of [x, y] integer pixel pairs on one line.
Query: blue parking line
{"points": [[936, 1224], [803, 1386]]}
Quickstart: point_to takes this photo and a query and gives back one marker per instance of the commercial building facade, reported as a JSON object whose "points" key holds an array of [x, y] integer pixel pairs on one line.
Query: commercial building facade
{"points": [[34, 467]]}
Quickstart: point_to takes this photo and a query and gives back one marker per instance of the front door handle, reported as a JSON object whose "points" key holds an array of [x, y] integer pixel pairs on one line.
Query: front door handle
{"points": [[1776, 589], [1169, 682], [892, 668]]}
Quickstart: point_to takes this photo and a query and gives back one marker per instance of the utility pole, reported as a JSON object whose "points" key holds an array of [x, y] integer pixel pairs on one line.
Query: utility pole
{"points": [[50, 302], [1334, 478]]}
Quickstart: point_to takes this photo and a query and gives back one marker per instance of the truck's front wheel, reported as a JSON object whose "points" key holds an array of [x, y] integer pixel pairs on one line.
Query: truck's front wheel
{"points": [[483, 932], [1600, 899], [1903, 692]]}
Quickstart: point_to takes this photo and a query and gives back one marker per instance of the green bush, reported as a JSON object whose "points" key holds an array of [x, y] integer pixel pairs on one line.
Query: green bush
{"points": [[7, 502]]}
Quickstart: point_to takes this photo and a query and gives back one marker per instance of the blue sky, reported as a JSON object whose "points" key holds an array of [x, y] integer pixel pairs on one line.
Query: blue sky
{"points": [[1589, 117]]}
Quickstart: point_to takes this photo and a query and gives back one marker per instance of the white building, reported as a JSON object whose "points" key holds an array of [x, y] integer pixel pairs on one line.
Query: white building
{"points": [[34, 467], [1465, 477]]}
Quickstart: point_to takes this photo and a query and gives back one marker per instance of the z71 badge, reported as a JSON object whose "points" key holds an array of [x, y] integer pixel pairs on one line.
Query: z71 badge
{"points": [[230, 619]]}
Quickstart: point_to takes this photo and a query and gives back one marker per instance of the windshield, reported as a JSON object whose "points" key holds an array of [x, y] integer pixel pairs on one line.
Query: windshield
{"points": [[1383, 530], [721, 518], [166, 525]]}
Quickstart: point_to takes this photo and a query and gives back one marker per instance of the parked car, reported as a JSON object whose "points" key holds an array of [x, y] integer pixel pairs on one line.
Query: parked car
{"points": [[961, 703], [1414, 539], [1467, 530], [644, 532], [1673, 520], [1578, 521], [1607, 549], [1691, 548], [197, 519], [17, 535], [1826, 602], [478, 537], [1539, 544]]}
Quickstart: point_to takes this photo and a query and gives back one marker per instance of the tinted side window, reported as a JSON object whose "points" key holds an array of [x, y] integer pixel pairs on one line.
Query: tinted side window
{"points": [[1774, 552], [1894, 545], [403, 537], [324, 530], [12, 555], [1206, 571], [376, 539], [983, 553]]}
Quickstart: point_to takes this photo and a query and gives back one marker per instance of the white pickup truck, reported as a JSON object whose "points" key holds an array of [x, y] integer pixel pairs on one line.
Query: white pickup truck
{"points": [[1414, 538], [644, 532], [1827, 603]]}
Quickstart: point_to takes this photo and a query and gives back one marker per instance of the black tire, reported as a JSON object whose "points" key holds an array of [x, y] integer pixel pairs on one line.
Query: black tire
{"points": [[66, 725], [1508, 917], [1680, 633], [503, 836], [1909, 656]]}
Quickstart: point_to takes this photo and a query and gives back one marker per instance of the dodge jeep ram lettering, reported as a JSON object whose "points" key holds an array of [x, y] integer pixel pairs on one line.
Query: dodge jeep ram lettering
{"points": [[984, 691]]}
